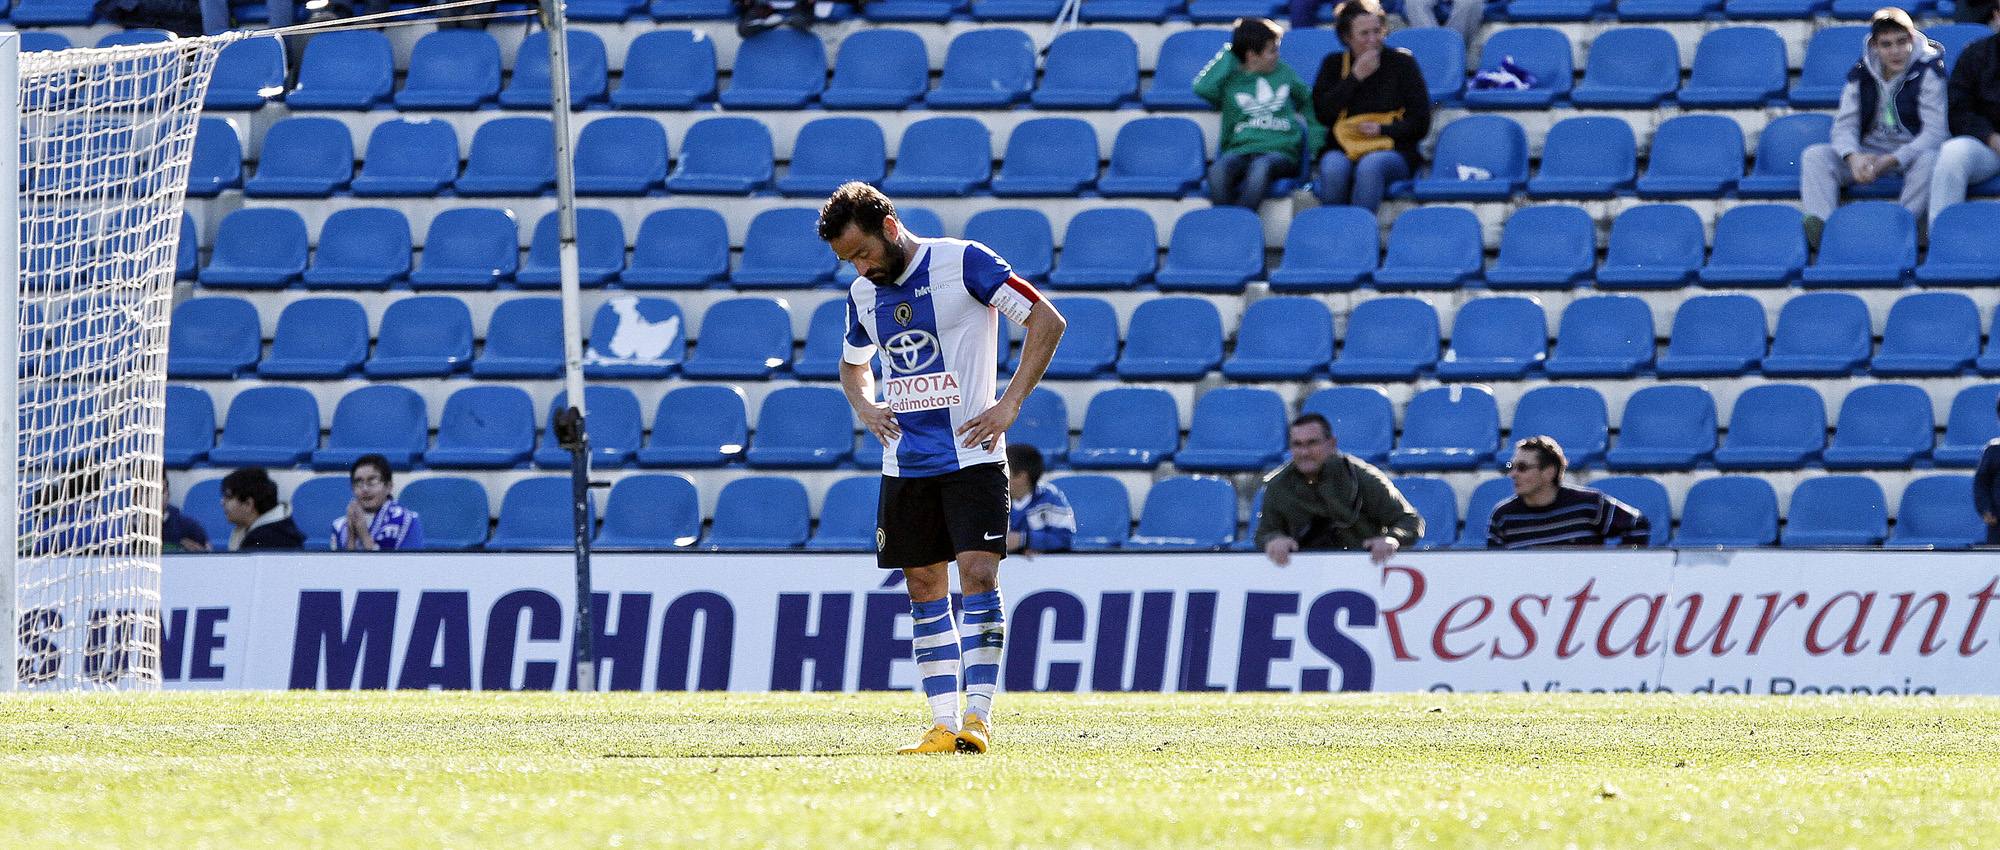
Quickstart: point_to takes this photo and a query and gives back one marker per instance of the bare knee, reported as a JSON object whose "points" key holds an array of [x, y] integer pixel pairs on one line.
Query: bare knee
{"points": [[927, 583], [978, 572]]}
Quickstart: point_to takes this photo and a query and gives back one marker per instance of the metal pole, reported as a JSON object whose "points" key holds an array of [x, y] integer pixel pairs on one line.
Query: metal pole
{"points": [[10, 353]]}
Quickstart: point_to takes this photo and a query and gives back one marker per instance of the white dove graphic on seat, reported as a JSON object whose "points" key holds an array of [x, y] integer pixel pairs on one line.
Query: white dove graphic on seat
{"points": [[637, 338]]}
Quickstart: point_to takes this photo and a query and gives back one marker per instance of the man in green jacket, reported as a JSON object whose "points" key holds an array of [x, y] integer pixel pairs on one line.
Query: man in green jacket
{"points": [[1327, 500], [1267, 115]]}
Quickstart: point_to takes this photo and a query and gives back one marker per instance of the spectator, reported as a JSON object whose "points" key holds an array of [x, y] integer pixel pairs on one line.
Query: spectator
{"points": [[1545, 512], [1376, 109], [375, 521], [1266, 115], [1041, 520], [1973, 154], [1891, 121], [178, 531], [1986, 488], [250, 501], [1327, 500], [1464, 17]]}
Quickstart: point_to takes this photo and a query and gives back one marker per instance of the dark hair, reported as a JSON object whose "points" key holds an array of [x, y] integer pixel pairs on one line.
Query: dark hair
{"points": [[252, 483], [1345, 13], [380, 463], [1890, 19], [855, 203], [1024, 459], [1252, 35], [1550, 453], [1325, 427]]}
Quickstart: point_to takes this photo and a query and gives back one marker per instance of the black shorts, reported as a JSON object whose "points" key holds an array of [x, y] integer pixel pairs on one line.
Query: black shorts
{"points": [[924, 521]]}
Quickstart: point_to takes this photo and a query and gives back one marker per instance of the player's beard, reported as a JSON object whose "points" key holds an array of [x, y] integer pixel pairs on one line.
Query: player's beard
{"points": [[894, 261]]}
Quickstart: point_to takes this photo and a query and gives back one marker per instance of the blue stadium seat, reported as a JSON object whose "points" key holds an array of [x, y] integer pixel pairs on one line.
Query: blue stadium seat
{"points": [[1499, 338], [1219, 249], [361, 248], [1962, 250], [1111, 11], [1282, 338], [1836, 510], [1479, 511], [535, 514], [667, 69], [1774, 426], [1936, 511], [1044, 424], [1089, 348], [1494, 145], [268, 426], [1095, 68], [1603, 336], [1969, 426], [1775, 174], [703, 425], [213, 337], [612, 424], [1107, 248], [316, 503], [1448, 428], [600, 242], [1172, 338], [1440, 55], [608, 11], [1328, 248], [203, 503], [523, 340], [632, 337], [848, 515], [1547, 247], [1731, 511], [1048, 157], [218, 159], [1552, 10], [1715, 336], [383, 419], [589, 72], [878, 69], [728, 155], [485, 427], [1866, 243], [341, 70], [779, 69], [1652, 246], [826, 337], [802, 428], [1543, 52], [33, 41], [760, 512], [1989, 360], [985, 69], [317, 338], [685, 247], [1693, 156], [1182, 57], [1436, 503], [1820, 334], [1954, 38], [621, 155], [758, 341], [455, 511], [783, 249], [469, 248], [1158, 157], [832, 151], [303, 158], [1736, 67], [942, 157], [190, 426], [1305, 49], [1929, 333], [54, 13], [1021, 235], [258, 247], [1363, 421], [1187, 513], [408, 158], [1103, 510], [510, 156], [1645, 495], [1235, 429], [1882, 426], [1591, 157], [1743, 10], [1016, 10], [913, 11], [251, 71], [1667, 427], [452, 69], [651, 512], [1388, 339], [1574, 416], [1435, 247], [426, 336], [1830, 54], [692, 10], [1756, 245], [1629, 67], [1127, 428], [187, 250]]}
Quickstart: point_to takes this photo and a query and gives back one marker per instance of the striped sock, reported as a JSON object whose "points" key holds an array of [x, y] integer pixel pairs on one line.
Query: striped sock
{"points": [[936, 645], [985, 634]]}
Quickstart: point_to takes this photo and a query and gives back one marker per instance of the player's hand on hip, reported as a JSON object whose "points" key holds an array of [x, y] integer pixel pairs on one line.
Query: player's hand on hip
{"points": [[879, 421], [985, 429], [1280, 550], [1381, 549]]}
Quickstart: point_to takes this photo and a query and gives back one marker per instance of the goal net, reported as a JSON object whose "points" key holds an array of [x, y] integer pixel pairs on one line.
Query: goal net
{"points": [[105, 139]]}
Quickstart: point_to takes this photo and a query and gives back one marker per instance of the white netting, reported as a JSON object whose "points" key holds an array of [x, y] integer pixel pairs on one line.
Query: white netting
{"points": [[106, 138]]}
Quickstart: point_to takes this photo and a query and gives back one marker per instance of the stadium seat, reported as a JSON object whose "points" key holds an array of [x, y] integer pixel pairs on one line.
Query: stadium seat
{"points": [[1305, 49], [1756, 245], [1882, 426], [632, 337], [383, 419], [692, 10], [1544, 52], [1775, 174], [1157, 157], [1629, 67], [667, 69], [760, 512], [1219, 249], [621, 155], [1436, 503], [1388, 339], [1603, 336], [455, 511], [1836, 510], [783, 250], [985, 69], [779, 69], [1448, 428], [1016, 10], [317, 338], [1590, 157], [1665, 427], [1715, 336], [1989, 360], [703, 425], [1433, 247], [1187, 513], [469, 248], [1440, 55], [826, 338], [1820, 334], [651, 512], [832, 151], [607, 11], [878, 69], [1731, 511], [729, 155], [1574, 416], [317, 503], [1044, 424], [187, 250], [536, 514], [1127, 428], [190, 426], [1363, 421], [213, 337], [54, 13], [523, 340], [1282, 338], [484, 427], [1089, 348], [1774, 426], [686, 247], [1497, 338], [1182, 57], [1830, 54], [1235, 429], [1735, 68], [589, 72], [510, 157], [802, 428], [1107, 248], [1479, 511], [1103, 511], [1020, 235], [257, 247], [218, 159], [613, 427], [452, 69], [361, 248], [1936, 511], [203, 504], [1969, 426], [1929, 334], [1478, 158], [1328, 248], [341, 70], [1048, 157], [848, 515], [758, 344], [1131, 11], [1962, 250], [1550, 10], [1693, 156], [303, 157], [913, 11], [1172, 338], [1548, 247], [1652, 246], [942, 157], [33, 41], [1954, 38], [1865, 243], [268, 426], [422, 337], [1648, 497], [408, 158], [1094, 68]]}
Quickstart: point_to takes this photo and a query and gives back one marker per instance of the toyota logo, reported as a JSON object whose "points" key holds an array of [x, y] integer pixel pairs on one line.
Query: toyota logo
{"points": [[911, 351]]}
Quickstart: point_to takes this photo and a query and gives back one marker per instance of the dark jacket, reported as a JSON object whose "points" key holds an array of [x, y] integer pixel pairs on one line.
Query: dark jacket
{"points": [[1397, 84], [1986, 481], [1975, 90], [1351, 502], [282, 534], [176, 527]]}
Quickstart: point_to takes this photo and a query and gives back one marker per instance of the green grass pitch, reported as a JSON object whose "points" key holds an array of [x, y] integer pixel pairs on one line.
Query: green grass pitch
{"points": [[185, 771]]}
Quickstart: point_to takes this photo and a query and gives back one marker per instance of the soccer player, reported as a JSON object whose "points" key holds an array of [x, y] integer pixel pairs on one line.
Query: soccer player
{"points": [[931, 308]]}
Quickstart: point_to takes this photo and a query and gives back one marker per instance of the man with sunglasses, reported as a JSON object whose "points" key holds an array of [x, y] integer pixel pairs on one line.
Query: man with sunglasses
{"points": [[1545, 512], [1324, 499]]}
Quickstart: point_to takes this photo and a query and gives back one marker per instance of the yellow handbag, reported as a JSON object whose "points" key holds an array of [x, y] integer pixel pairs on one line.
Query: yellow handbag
{"points": [[1347, 130]]}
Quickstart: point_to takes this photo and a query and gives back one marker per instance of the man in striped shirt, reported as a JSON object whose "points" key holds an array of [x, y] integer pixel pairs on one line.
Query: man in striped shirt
{"points": [[1544, 512]]}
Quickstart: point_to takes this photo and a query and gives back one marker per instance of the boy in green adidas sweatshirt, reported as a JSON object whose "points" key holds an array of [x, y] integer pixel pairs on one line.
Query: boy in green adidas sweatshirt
{"points": [[1265, 106]]}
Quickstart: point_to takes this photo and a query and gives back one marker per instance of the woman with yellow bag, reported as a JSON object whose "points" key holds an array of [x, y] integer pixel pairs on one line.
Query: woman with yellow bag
{"points": [[1374, 103]]}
